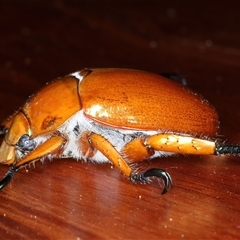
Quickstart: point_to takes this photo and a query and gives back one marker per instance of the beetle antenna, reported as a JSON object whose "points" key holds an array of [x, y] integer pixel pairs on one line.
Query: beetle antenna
{"points": [[227, 149], [153, 172], [8, 177]]}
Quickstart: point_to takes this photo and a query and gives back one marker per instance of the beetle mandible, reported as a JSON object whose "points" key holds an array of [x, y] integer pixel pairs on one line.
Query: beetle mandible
{"points": [[120, 116]]}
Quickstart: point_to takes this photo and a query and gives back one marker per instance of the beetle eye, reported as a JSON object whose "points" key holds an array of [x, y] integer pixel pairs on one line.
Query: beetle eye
{"points": [[3, 130], [25, 143]]}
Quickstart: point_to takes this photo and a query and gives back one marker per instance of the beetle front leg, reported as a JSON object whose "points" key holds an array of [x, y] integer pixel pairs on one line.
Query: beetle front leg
{"points": [[50, 146], [8, 177]]}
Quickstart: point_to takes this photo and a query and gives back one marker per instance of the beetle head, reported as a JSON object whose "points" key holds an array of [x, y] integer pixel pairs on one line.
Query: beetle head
{"points": [[16, 138]]}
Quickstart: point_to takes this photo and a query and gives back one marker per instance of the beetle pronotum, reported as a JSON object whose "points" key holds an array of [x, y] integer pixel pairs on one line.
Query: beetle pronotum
{"points": [[111, 115]]}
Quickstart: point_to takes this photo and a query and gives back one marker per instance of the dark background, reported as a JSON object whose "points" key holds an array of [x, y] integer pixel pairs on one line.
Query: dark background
{"points": [[65, 199]]}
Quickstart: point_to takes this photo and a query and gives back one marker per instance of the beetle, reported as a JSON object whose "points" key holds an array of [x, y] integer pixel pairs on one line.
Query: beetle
{"points": [[120, 116]]}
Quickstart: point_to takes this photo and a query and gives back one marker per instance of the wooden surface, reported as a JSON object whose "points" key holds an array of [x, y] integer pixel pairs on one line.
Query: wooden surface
{"points": [[65, 199]]}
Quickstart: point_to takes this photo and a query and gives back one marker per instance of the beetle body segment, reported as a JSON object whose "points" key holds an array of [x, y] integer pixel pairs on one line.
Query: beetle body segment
{"points": [[144, 101], [115, 115], [53, 105]]}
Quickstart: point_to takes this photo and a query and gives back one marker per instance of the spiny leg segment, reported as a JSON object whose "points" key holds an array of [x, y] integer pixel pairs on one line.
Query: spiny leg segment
{"points": [[107, 149], [137, 150]]}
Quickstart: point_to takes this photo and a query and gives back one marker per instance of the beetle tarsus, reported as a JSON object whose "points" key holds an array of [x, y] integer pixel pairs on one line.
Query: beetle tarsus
{"points": [[139, 178], [227, 149], [153, 172], [8, 177]]}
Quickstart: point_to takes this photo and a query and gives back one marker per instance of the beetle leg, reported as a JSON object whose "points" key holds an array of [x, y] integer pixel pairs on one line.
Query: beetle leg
{"points": [[107, 149], [136, 151], [87, 149], [180, 144], [8, 177], [50, 146], [140, 149], [222, 149], [154, 172]]}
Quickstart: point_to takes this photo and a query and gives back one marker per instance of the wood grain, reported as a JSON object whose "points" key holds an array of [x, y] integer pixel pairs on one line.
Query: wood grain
{"points": [[66, 199]]}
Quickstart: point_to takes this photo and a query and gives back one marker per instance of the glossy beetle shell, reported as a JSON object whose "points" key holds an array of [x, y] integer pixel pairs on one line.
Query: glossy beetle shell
{"points": [[139, 100], [53, 105]]}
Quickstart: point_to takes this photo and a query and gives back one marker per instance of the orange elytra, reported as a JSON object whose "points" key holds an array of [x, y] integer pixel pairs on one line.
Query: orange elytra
{"points": [[111, 115]]}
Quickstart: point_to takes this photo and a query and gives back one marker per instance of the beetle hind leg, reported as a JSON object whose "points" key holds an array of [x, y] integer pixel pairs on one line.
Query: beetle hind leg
{"points": [[119, 160], [180, 144], [153, 172], [222, 149], [136, 151], [106, 148]]}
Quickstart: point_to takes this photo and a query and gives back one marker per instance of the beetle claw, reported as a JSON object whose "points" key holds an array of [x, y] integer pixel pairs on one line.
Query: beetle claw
{"points": [[8, 177], [153, 172]]}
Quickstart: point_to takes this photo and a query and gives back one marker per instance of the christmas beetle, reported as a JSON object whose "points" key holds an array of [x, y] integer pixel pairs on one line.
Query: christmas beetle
{"points": [[111, 115]]}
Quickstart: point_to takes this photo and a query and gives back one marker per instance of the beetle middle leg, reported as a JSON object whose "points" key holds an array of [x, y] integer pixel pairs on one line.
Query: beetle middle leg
{"points": [[107, 149]]}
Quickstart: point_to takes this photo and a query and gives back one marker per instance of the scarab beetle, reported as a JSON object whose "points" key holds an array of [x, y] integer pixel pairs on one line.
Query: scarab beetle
{"points": [[111, 115]]}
